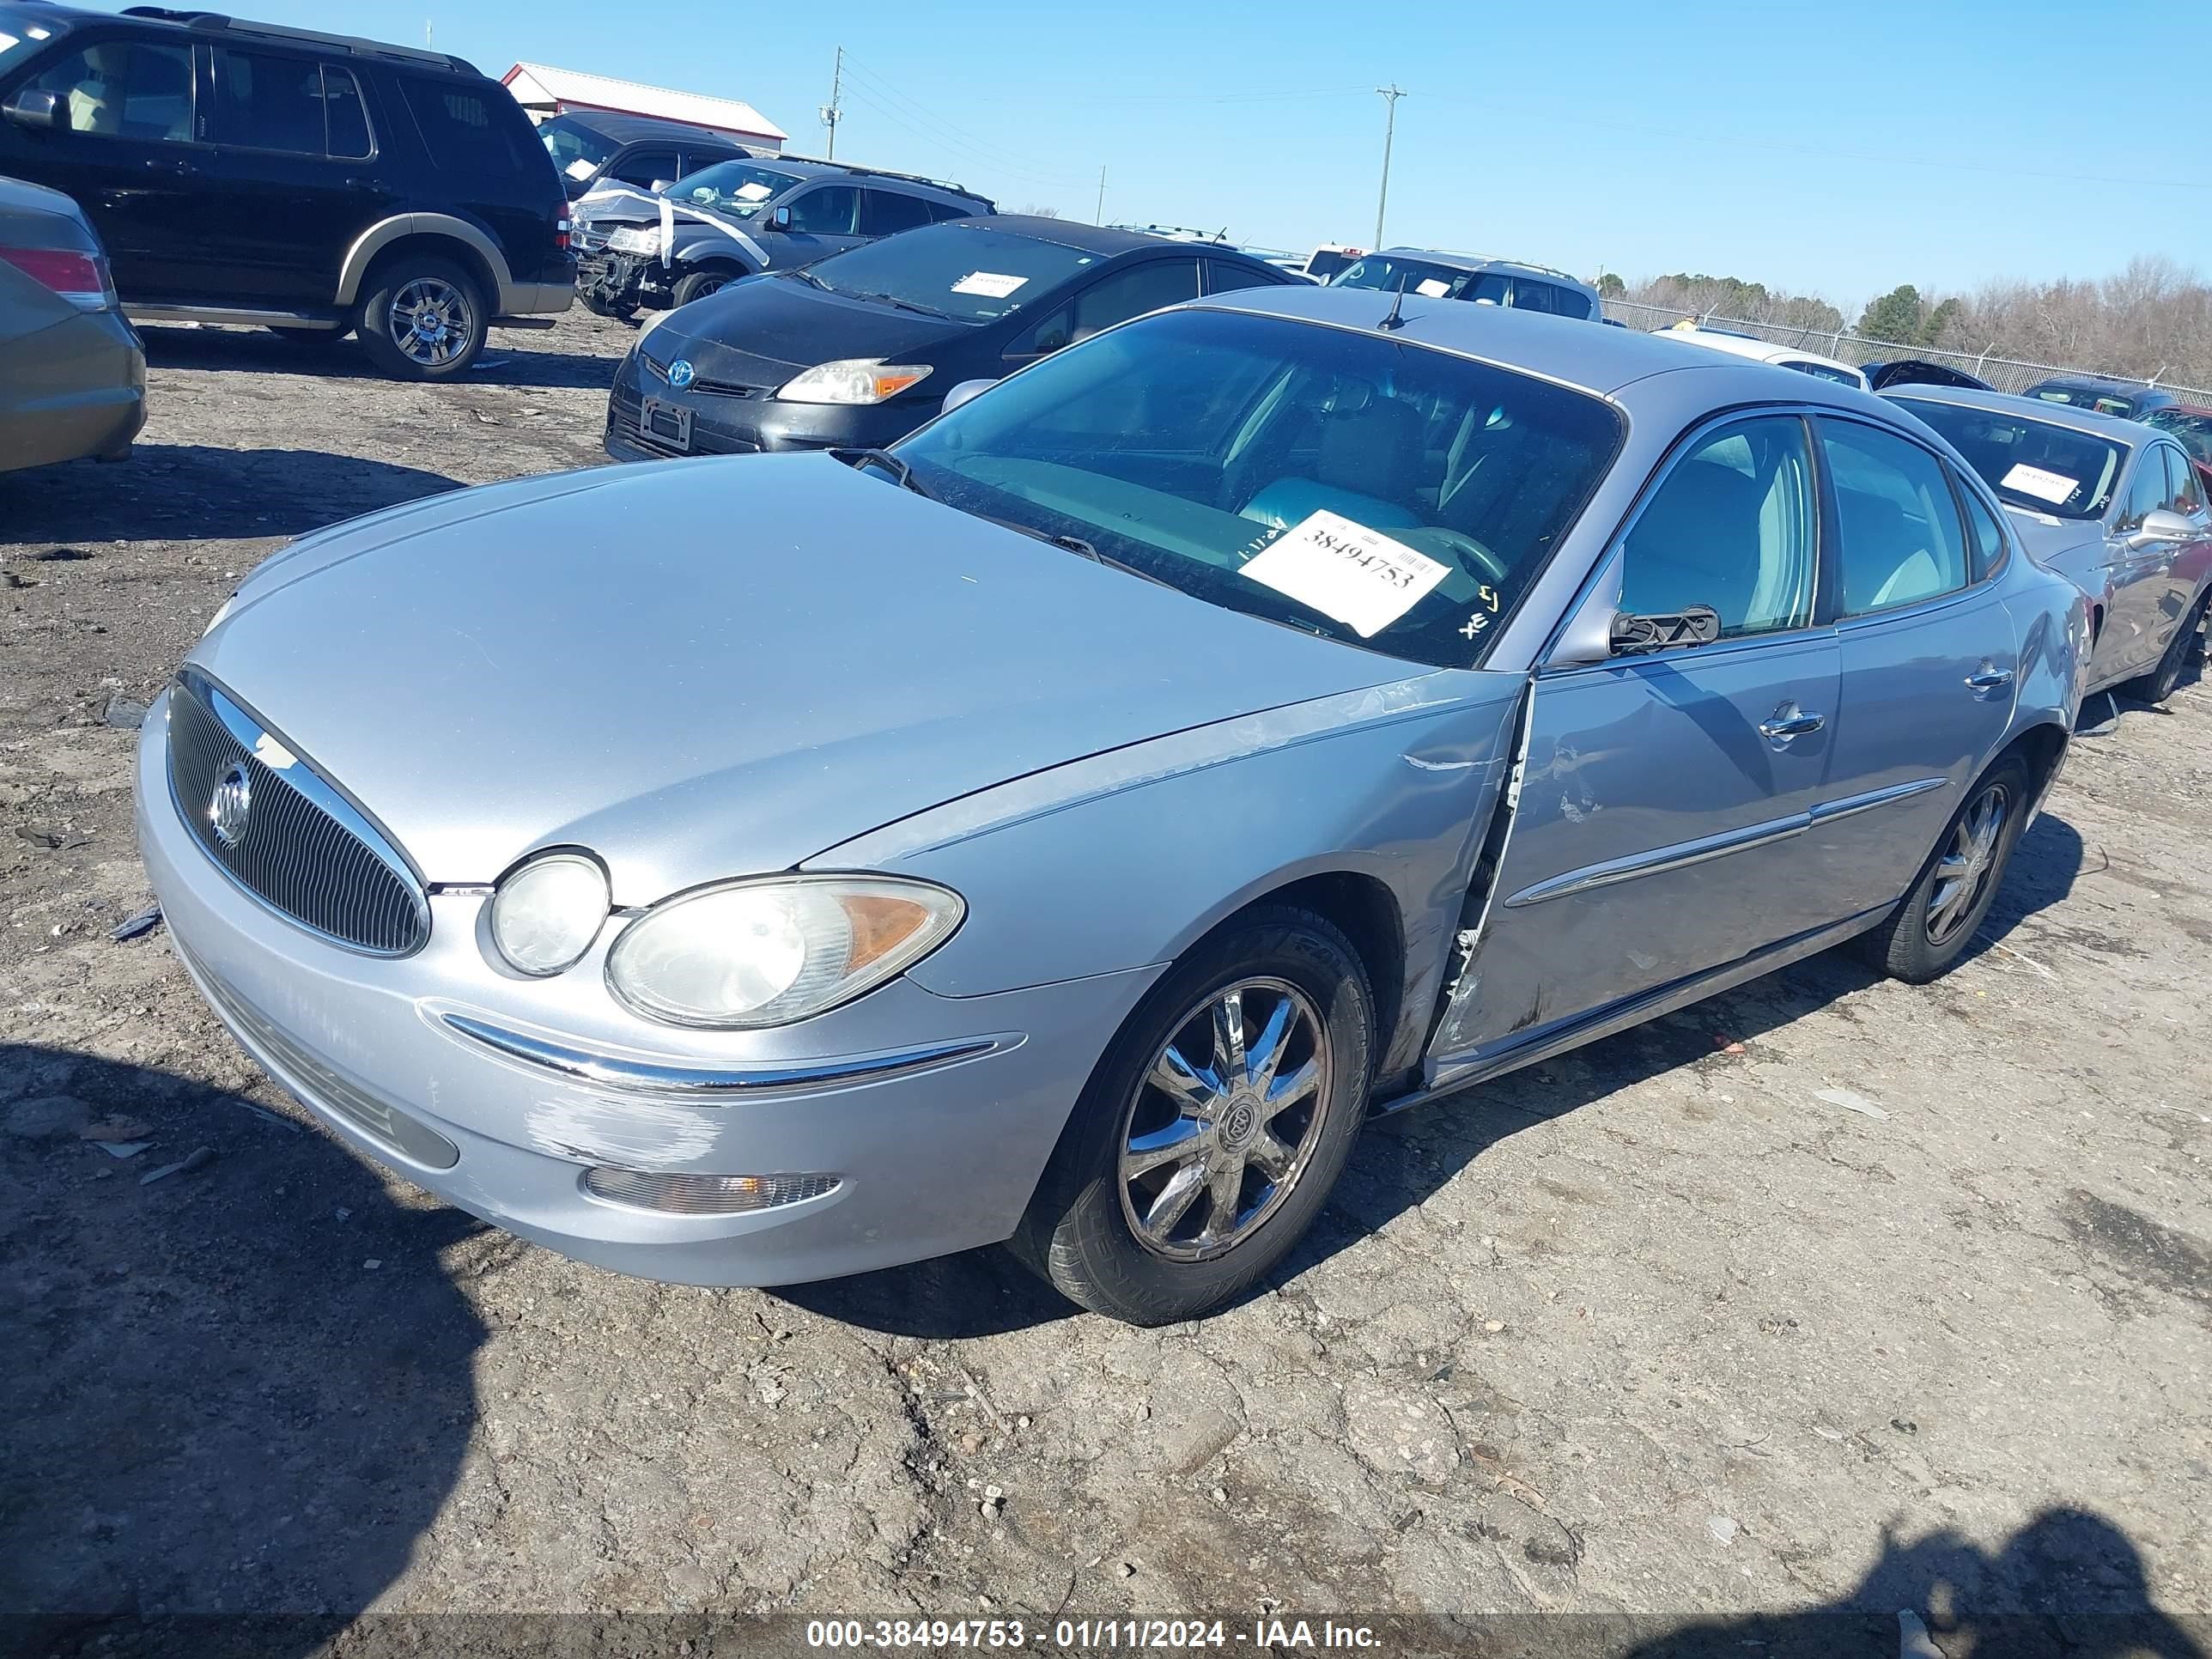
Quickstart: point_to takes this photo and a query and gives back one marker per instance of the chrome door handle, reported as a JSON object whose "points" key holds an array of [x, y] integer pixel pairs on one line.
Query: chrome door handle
{"points": [[1989, 679], [1782, 727]]}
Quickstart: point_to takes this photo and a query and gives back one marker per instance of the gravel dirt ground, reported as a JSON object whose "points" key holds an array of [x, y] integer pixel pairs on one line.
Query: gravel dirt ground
{"points": [[1828, 1299]]}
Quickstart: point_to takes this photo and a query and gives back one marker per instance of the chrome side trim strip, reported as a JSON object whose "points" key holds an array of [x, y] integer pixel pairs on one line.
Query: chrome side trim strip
{"points": [[660, 1076], [1829, 811], [238, 316], [1679, 856]]}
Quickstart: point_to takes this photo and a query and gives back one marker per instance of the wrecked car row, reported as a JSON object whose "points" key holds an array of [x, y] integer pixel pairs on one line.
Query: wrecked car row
{"points": [[984, 891]]}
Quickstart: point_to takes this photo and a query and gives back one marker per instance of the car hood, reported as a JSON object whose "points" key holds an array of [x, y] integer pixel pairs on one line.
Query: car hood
{"points": [[2073, 547], [716, 667], [787, 323]]}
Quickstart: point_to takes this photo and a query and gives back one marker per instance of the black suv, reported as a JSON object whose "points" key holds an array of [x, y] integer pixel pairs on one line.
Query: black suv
{"points": [[592, 148], [241, 172], [740, 218]]}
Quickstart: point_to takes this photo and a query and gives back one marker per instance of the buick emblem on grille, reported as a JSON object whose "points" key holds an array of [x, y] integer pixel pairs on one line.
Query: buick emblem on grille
{"points": [[230, 804], [680, 373]]}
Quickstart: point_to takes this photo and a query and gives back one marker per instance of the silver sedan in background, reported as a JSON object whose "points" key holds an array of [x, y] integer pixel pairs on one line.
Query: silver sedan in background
{"points": [[2115, 505], [72, 371], [1068, 827]]}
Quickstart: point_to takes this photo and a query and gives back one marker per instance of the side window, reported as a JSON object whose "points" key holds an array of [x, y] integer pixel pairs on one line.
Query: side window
{"points": [[1985, 536], [1532, 295], [1732, 525], [829, 210], [124, 90], [1902, 539], [885, 212], [646, 167], [941, 210], [464, 132], [345, 118], [2184, 488], [1568, 302], [263, 101], [2146, 489], [1113, 299], [1222, 278]]}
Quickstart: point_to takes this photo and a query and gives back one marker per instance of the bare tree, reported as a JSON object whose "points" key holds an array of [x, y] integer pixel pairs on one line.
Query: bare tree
{"points": [[1040, 212]]}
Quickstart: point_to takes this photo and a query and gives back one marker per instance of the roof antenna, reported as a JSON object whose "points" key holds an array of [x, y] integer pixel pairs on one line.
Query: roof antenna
{"points": [[1394, 321]]}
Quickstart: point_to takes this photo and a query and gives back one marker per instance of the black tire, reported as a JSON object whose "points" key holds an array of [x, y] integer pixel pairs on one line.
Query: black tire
{"points": [[405, 297], [1918, 943], [2156, 687], [698, 284], [1080, 1230]]}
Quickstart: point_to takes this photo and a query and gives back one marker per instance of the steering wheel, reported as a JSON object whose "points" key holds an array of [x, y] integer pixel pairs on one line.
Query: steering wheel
{"points": [[1466, 544]]}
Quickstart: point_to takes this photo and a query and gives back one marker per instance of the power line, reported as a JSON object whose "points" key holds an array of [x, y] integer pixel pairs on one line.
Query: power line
{"points": [[960, 153], [958, 137]]}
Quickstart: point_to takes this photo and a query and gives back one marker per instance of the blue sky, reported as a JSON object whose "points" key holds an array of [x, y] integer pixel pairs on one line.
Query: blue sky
{"points": [[1841, 149]]}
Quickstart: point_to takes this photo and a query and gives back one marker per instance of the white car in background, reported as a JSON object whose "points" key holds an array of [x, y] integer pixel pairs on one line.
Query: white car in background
{"points": [[1765, 351]]}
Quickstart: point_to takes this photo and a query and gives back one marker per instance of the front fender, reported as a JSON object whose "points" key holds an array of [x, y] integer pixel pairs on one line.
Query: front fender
{"points": [[1125, 859]]}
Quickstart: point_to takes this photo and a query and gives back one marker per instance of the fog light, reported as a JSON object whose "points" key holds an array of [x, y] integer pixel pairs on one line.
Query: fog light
{"points": [[704, 1195]]}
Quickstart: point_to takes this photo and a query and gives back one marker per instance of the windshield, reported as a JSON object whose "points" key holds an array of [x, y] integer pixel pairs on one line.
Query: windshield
{"points": [[1346, 483], [1431, 281], [2030, 463], [1326, 262], [968, 274], [577, 151], [740, 189], [1819, 370], [2086, 396], [23, 33], [2195, 431]]}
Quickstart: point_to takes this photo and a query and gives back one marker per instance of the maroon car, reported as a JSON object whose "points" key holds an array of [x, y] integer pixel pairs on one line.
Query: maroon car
{"points": [[2191, 425]]}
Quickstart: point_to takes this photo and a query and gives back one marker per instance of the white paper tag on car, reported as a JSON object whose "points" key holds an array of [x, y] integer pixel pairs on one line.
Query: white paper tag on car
{"points": [[1346, 570], [2052, 487], [753, 192], [1434, 288], [580, 168], [988, 283]]}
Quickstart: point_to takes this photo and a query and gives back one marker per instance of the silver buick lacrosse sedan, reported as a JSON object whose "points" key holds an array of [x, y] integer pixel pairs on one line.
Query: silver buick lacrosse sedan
{"points": [[1067, 827]]}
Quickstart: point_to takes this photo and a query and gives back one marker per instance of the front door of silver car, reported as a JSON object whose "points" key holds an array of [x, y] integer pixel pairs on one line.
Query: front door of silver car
{"points": [[1664, 792], [2135, 568], [1930, 657]]}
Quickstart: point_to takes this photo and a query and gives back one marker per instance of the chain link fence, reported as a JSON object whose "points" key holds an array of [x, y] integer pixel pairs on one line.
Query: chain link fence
{"points": [[2002, 373]]}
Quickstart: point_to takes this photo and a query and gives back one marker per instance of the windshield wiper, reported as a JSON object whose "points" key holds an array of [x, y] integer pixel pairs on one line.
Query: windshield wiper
{"points": [[856, 458], [810, 279], [1082, 549], [907, 304]]}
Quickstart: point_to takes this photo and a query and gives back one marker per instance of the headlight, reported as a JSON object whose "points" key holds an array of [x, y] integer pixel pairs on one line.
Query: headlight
{"points": [[634, 239], [769, 951], [547, 913], [853, 380]]}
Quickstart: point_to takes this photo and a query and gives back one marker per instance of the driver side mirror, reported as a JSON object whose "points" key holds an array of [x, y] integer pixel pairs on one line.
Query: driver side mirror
{"points": [[1635, 637], [960, 393], [34, 106], [780, 218], [659, 185], [2161, 525]]}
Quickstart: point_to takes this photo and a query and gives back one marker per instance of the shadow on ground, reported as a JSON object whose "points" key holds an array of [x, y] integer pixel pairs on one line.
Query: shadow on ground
{"points": [[1400, 1161], [2069, 1583], [181, 492], [508, 358], [243, 1389]]}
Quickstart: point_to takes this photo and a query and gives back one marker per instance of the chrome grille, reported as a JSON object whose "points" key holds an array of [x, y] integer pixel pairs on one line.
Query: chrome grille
{"points": [[298, 846]]}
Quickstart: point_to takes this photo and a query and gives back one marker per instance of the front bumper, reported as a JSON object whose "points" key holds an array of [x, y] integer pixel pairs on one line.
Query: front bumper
{"points": [[727, 424], [936, 1149]]}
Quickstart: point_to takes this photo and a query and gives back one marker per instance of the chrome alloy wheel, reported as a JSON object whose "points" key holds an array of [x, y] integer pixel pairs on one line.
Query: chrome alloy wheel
{"points": [[1963, 873], [430, 321], [1212, 1147]]}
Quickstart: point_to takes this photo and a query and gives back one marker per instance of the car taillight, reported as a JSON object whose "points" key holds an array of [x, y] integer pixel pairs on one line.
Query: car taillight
{"points": [[560, 233], [79, 278]]}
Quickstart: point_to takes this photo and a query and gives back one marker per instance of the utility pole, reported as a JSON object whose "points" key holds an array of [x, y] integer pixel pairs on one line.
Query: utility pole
{"points": [[1100, 217], [1391, 94], [830, 112]]}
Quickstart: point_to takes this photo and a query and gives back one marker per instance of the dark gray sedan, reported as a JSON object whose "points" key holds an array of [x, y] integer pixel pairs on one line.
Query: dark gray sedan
{"points": [[1069, 826], [72, 372]]}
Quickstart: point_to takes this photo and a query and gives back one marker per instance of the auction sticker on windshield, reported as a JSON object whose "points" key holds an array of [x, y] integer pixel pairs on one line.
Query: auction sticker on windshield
{"points": [[1434, 288], [1346, 570], [2052, 487], [753, 192], [990, 283]]}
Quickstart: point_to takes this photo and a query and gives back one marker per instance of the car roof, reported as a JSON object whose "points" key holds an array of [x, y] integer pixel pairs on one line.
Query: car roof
{"points": [[2074, 419], [628, 129], [201, 23], [1746, 345], [1480, 262], [1603, 360], [1106, 240]]}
